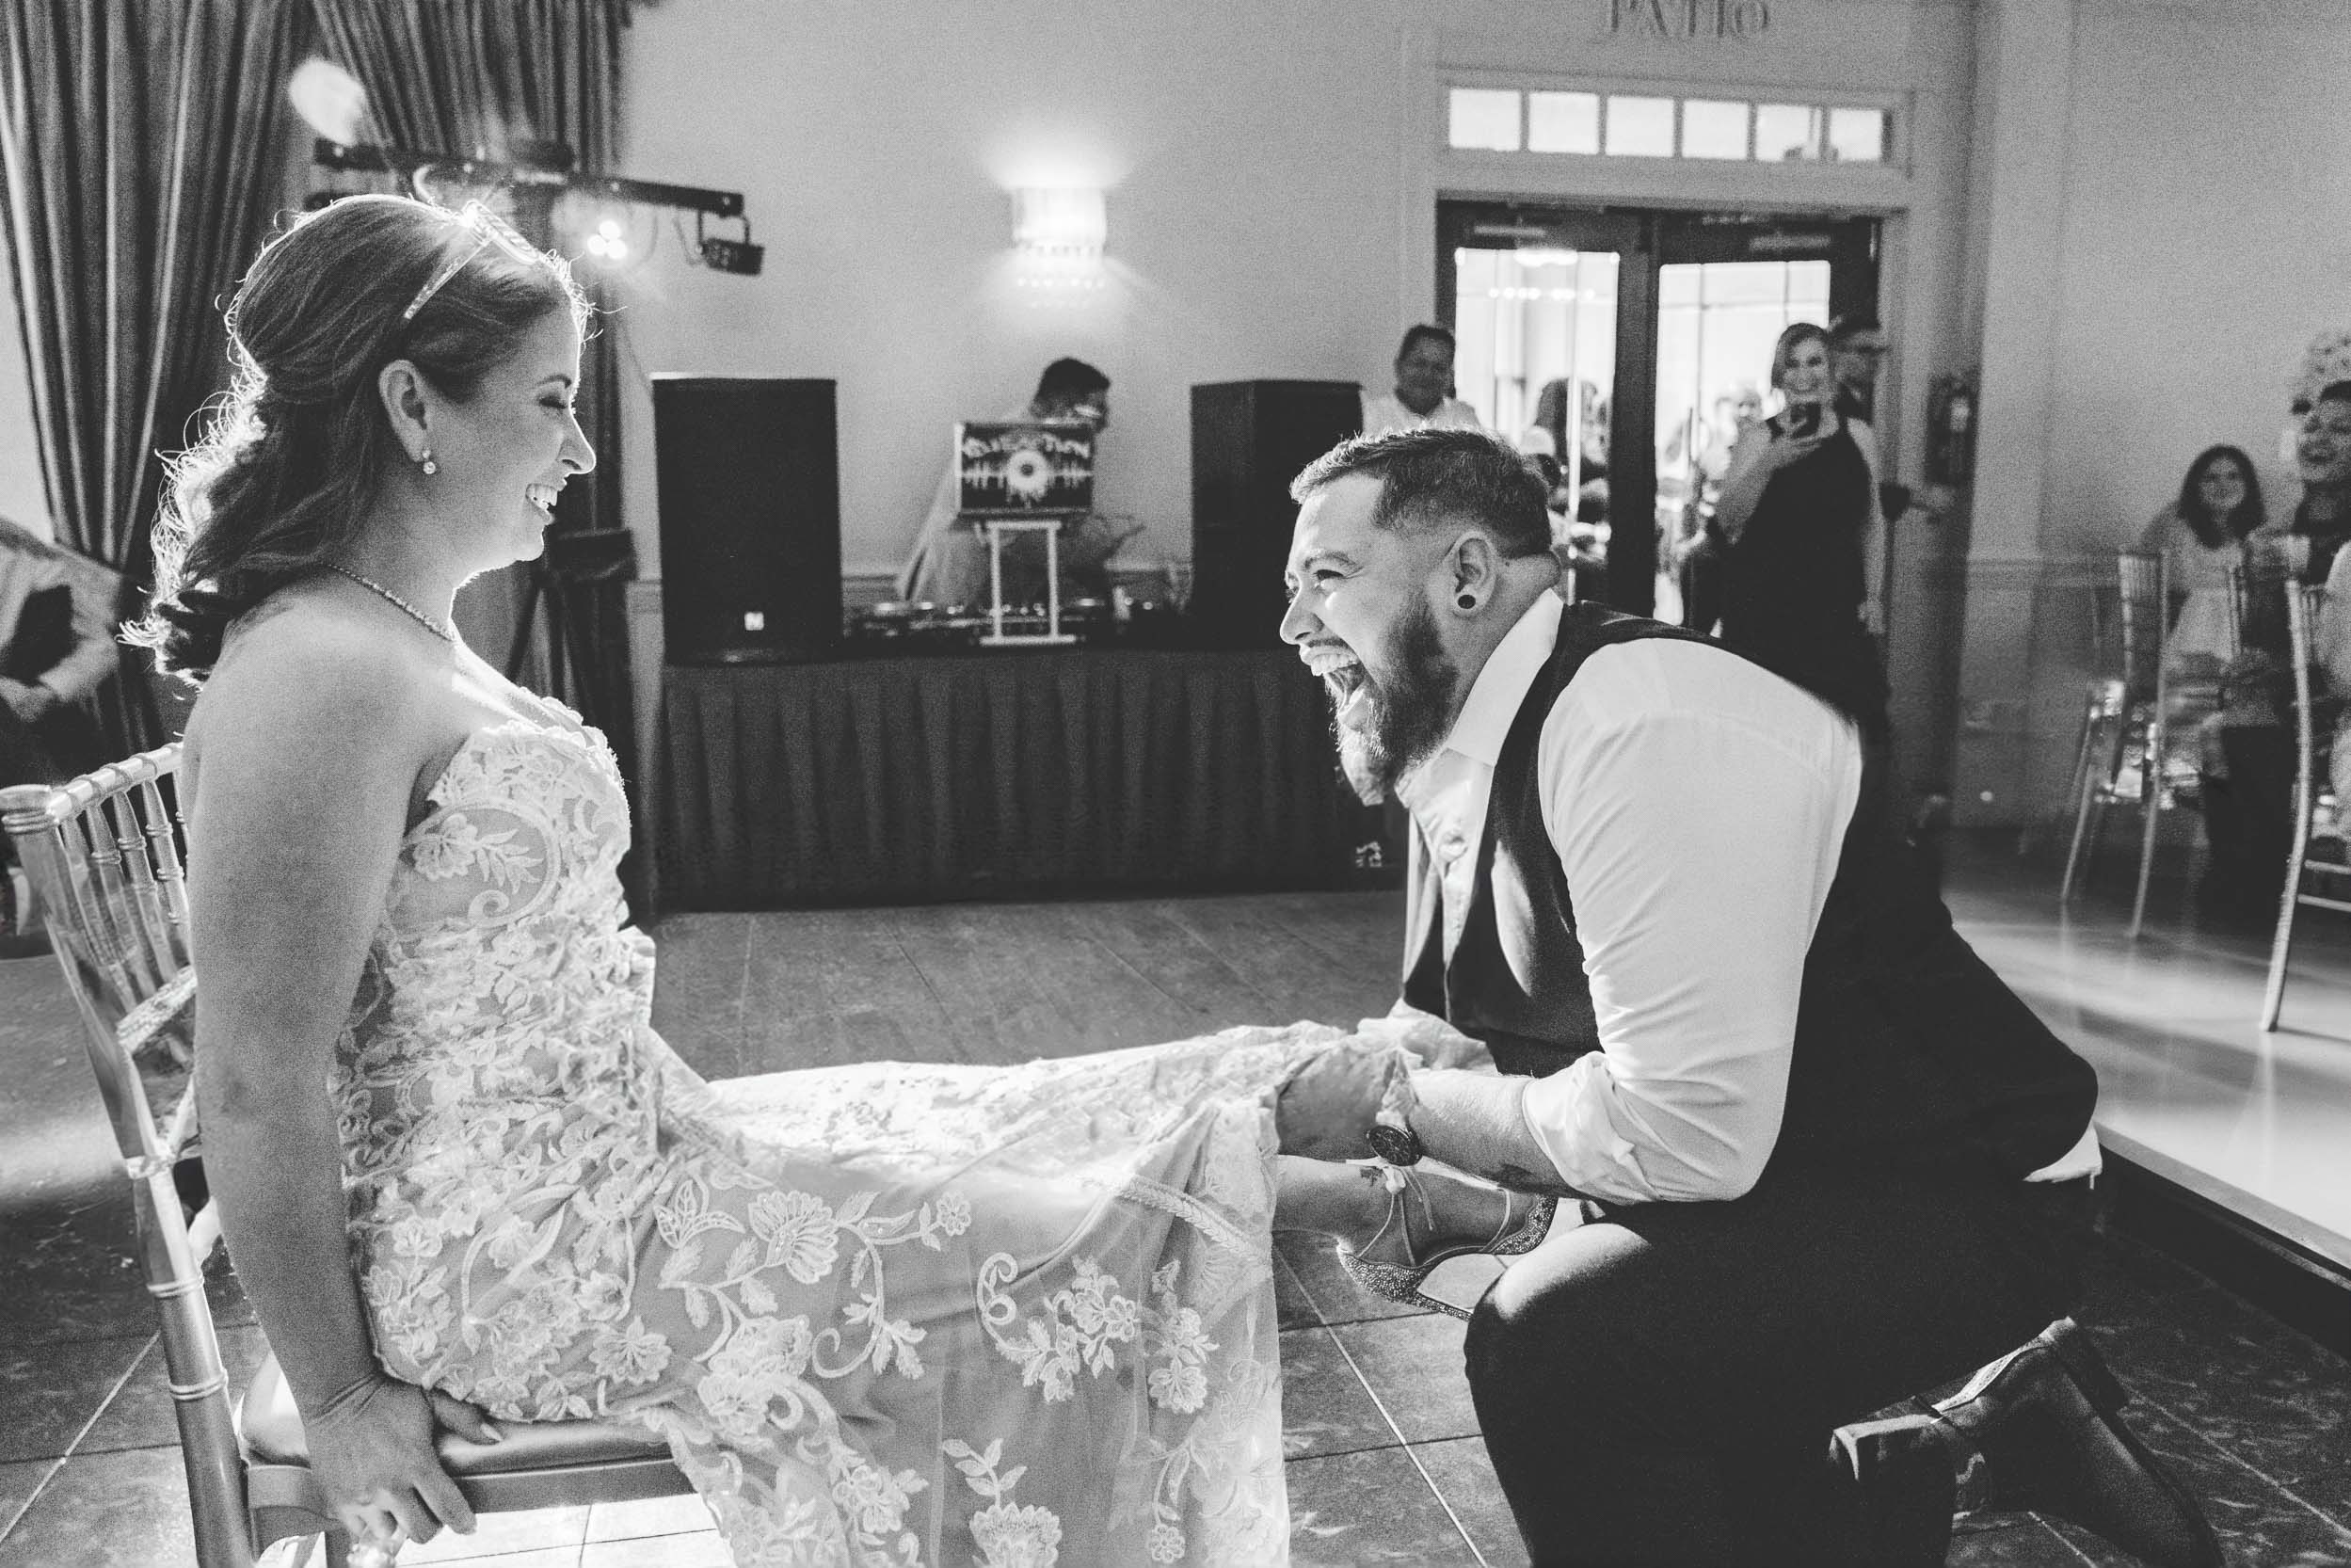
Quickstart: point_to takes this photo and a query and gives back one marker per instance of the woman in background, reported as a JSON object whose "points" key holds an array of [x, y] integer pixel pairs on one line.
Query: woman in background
{"points": [[2203, 532], [1806, 545]]}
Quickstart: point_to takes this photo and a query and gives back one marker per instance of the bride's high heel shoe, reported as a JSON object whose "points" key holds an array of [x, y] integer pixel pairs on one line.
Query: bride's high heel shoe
{"points": [[1524, 1221]]}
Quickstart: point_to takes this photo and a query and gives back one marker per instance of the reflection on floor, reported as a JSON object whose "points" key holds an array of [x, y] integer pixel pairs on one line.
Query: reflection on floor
{"points": [[1384, 1464], [2189, 1086]]}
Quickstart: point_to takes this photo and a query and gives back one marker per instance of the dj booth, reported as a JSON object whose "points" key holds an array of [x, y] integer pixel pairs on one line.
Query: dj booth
{"points": [[998, 775], [798, 766]]}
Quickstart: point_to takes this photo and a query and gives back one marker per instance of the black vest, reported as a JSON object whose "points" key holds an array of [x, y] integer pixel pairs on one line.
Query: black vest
{"points": [[1909, 1049]]}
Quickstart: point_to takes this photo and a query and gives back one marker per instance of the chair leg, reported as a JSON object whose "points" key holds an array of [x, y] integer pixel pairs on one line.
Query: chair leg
{"points": [[2274, 992], [2084, 788], [2281, 941], [2150, 814]]}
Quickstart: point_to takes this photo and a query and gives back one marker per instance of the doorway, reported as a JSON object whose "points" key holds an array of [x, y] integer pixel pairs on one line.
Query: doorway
{"points": [[1628, 337]]}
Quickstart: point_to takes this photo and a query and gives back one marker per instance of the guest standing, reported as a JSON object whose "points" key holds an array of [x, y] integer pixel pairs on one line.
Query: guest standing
{"points": [[1423, 397], [1806, 551]]}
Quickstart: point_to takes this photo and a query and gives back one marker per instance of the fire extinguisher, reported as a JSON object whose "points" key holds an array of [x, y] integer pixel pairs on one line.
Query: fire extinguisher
{"points": [[1951, 422]]}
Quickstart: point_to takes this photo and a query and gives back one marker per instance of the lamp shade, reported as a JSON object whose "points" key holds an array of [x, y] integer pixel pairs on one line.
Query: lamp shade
{"points": [[1059, 221]]}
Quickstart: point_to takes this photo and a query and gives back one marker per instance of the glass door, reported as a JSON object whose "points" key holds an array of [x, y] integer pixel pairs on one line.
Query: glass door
{"points": [[1537, 300], [1629, 346]]}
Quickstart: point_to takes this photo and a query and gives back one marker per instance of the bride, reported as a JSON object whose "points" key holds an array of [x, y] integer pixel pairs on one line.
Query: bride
{"points": [[882, 1314]]}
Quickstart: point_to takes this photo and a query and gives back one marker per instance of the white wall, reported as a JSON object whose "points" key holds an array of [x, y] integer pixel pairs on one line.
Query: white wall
{"points": [[1249, 152], [2207, 239]]}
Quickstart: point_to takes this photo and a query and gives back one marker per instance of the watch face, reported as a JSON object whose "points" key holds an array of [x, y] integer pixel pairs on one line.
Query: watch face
{"points": [[1394, 1145]]}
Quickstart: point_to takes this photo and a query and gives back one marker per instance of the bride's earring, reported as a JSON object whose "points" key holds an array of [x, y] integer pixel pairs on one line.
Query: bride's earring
{"points": [[425, 463]]}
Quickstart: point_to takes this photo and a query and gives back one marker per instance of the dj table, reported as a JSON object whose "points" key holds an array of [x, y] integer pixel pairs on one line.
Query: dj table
{"points": [[917, 779]]}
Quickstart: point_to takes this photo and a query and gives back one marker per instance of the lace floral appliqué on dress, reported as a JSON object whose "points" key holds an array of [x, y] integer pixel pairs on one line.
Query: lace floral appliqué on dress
{"points": [[885, 1314]]}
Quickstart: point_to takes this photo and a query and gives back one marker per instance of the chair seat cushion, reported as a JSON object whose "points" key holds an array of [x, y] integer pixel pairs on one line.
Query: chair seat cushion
{"points": [[271, 1433]]}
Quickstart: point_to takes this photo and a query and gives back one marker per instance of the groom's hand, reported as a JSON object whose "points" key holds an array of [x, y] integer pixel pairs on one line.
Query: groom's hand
{"points": [[1325, 1109]]}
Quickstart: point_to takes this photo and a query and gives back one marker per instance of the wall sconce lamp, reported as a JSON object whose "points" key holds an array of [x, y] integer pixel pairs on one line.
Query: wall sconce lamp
{"points": [[1060, 222]]}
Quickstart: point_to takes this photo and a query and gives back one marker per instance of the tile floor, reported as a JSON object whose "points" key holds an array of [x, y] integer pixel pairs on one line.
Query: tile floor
{"points": [[1384, 1463]]}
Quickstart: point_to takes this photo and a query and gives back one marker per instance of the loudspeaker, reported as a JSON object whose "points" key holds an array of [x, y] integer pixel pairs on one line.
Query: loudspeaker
{"points": [[750, 517], [1249, 439]]}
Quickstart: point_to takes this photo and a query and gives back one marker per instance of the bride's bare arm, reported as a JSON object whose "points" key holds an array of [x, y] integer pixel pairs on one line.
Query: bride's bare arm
{"points": [[303, 757]]}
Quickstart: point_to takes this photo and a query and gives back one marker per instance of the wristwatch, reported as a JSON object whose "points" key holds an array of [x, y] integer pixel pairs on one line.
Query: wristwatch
{"points": [[1398, 1146]]}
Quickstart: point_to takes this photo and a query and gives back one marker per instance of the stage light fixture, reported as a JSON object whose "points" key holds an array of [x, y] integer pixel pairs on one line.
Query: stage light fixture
{"points": [[740, 257], [608, 242]]}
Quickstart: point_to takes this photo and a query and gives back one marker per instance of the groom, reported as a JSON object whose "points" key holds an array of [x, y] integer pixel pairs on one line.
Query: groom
{"points": [[1822, 1155]]}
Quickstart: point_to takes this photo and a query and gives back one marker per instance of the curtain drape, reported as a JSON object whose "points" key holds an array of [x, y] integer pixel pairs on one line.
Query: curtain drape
{"points": [[142, 156]]}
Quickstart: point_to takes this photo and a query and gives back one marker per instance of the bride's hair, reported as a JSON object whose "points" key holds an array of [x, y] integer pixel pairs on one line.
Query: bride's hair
{"points": [[290, 462]]}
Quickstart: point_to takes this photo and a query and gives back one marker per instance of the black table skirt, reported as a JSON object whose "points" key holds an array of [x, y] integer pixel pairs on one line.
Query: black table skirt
{"points": [[1012, 774]]}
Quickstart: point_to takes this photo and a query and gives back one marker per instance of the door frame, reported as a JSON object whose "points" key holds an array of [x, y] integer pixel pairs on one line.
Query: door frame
{"points": [[1645, 239]]}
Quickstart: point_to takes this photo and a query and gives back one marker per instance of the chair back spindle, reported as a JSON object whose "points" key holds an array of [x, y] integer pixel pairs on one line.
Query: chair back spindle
{"points": [[2144, 582], [2129, 707]]}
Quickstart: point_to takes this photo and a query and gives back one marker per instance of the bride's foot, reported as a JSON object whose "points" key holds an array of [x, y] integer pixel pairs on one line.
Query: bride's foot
{"points": [[1435, 1218]]}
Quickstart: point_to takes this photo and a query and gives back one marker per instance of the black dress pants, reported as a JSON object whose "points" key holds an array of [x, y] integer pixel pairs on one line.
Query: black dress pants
{"points": [[1663, 1385]]}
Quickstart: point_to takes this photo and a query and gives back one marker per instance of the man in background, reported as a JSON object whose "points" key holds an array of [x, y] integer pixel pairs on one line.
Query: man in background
{"points": [[1857, 347], [55, 651], [949, 565], [1423, 398]]}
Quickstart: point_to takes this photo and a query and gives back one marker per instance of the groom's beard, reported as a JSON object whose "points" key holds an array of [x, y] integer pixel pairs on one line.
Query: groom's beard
{"points": [[1401, 718]]}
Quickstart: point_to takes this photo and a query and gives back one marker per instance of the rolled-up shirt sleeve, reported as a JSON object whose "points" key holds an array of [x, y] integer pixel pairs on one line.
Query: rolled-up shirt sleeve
{"points": [[1699, 808]]}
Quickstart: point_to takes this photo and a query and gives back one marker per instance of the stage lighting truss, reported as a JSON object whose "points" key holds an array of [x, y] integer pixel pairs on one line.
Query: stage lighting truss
{"points": [[503, 187]]}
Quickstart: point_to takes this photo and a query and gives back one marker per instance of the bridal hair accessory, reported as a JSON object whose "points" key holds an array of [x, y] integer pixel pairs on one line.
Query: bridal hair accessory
{"points": [[488, 229], [442, 629]]}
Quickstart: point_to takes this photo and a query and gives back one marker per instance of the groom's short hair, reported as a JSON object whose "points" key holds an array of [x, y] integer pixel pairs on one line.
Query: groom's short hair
{"points": [[1431, 479]]}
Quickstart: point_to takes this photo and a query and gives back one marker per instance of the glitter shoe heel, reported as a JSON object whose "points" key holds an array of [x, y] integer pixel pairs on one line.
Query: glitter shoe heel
{"points": [[1525, 1220]]}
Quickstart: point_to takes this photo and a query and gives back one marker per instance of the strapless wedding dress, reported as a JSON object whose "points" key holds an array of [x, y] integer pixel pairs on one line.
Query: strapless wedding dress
{"points": [[890, 1313]]}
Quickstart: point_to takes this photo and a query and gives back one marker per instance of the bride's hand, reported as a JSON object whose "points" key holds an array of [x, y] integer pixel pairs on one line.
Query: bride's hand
{"points": [[372, 1450], [1327, 1105]]}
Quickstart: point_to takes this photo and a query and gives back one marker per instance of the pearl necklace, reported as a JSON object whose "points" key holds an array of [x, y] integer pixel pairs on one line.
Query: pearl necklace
{"points": [[442, 629]]}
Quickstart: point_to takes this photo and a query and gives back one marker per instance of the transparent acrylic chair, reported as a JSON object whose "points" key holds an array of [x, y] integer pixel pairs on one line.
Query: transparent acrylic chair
{"points": [[2328, 875], [103, 855], [2126, 714]]}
